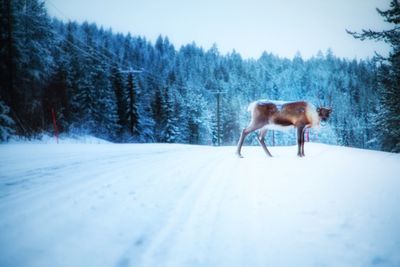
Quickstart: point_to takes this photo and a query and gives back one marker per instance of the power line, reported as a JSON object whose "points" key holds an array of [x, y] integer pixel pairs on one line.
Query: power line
{"points": [[87, 45], [153, 76], [77, 39], [127, 70], [101, 60], [92, 52]]}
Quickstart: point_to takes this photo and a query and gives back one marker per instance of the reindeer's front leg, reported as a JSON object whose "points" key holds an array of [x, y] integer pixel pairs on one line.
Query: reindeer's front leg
{"points": [[300, 141], [303, 141]]}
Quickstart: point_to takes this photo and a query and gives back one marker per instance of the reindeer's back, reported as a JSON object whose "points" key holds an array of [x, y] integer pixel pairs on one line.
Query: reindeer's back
{"points": [[294, 109], [293, 113]]}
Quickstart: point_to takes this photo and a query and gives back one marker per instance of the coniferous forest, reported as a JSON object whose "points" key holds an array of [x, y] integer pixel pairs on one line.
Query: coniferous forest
{"points": [[84, 79]]}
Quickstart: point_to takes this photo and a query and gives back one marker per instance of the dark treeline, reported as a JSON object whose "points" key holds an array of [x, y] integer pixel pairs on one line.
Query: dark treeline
{"points": [[124, 88]]}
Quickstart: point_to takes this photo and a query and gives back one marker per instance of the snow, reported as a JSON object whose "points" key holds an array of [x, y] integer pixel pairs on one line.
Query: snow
{"points": [[62, 139], [276, 102], [179, 205]]}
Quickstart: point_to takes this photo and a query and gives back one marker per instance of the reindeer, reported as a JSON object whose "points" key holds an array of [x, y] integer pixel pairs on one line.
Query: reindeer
{"points": [[267, 114]]}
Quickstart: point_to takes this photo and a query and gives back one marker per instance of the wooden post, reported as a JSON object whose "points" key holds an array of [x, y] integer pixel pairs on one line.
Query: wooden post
{"points": [[273, 138]]}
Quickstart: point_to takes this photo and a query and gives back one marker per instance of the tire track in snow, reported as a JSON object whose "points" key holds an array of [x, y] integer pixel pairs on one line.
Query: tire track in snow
{"points": [[198, 234], [237, 222], [192, 245], [59, 176], [194, 216], [83, 190]]}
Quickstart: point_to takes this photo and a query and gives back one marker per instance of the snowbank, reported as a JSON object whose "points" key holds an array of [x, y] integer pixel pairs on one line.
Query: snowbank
{"points": [[62, 139]]}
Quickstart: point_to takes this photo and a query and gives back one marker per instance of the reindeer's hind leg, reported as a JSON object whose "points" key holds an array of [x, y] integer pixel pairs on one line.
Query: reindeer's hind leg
{"points": [[261, 138], [251, 128]]}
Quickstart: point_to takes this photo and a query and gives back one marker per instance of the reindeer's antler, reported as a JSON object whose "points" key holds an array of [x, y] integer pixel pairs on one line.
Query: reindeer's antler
{"points": [[319, 99], [330, 100]]}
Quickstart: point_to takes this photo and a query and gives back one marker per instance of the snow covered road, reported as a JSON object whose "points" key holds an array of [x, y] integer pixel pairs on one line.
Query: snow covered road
{"points": [[179, 205]]}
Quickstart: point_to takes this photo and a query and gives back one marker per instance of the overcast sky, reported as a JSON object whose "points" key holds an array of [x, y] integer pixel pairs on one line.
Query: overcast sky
{"points": [[250, 27]]}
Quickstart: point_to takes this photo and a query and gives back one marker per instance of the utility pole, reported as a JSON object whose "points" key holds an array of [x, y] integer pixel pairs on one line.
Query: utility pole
{"points": [[218, 94], [218, 118]]}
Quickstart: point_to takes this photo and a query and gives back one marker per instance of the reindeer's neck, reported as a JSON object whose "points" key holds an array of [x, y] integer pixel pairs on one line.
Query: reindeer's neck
{"points": [[313, 115]]}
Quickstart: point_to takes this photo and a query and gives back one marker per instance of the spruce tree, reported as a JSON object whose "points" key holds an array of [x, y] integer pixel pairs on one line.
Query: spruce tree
{"points": [[171, 134], [9, 53], [73, 69], [389, 78], [55, 96], [6, 122], [158, 112], [133, 111], [118, 86], [26, 60]]}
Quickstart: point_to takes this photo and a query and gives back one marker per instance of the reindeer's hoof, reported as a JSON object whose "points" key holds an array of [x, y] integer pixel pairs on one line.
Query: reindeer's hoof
{"points": [[239, 155]]}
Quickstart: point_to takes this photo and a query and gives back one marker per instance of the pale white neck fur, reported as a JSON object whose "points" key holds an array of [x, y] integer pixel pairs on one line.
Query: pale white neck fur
{"points": [[314, 115]]}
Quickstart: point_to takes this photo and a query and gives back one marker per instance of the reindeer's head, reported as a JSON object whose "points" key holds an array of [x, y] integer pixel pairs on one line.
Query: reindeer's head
{"points": [[324, 113]]}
